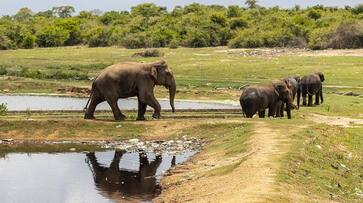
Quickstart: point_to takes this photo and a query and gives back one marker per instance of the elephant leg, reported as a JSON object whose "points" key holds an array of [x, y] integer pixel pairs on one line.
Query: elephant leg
{"points": [[282, 107], [116, 110], [317, 98], [150, 100], [321, 95], [95, 100], [261, 114], [272, 111], [310, 101], [304, 98], [141, 111]]}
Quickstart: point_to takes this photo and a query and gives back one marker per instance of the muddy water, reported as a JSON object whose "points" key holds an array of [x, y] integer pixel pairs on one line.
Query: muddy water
{"points": [[79, 177], [21, 103]]}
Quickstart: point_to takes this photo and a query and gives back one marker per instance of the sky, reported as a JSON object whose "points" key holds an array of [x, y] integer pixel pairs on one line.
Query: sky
{"points": [[10, 7]]}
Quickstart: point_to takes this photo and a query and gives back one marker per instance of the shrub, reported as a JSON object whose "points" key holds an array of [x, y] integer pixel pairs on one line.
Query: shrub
{"points": [[346, 35], [149, 53], [246, 39], [238, 23], [3, 109], [135, 41], [51, 36], [3, 71], [6, 43], [101, 38], [318, 39], [174, 44], [196, 38], [28, 42]]}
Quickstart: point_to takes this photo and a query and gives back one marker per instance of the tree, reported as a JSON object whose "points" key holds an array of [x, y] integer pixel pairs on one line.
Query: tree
{"points": [[23, 14], [52, 36], [63, 11], [148, 10], [251, 4]]}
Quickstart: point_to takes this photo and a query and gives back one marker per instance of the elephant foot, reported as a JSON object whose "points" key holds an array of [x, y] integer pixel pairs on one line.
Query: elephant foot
{"points": [[156, 116], [140, 119], [119, 118], [89, 117]]}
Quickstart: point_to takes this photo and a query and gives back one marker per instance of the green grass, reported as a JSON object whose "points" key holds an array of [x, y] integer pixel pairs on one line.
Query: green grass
{"points": [[193, 68], [326, 161]]}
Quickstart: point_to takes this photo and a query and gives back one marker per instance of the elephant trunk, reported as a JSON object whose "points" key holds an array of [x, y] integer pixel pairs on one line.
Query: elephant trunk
{"points": [[172, 91]]}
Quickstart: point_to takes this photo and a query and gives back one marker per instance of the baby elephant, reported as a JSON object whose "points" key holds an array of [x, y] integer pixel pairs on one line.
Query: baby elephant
{"points": [[293, 83], [258, 98]]}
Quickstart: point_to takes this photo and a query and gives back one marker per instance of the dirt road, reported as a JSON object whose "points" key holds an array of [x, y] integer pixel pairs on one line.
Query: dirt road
{"points": [[252, 179]]}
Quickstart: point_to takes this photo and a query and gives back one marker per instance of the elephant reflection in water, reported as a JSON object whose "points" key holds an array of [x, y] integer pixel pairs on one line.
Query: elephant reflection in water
{"points": [[134, 184]]}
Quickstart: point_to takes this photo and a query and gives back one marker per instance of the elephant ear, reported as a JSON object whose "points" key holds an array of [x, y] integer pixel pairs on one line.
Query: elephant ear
{"points": [[280, 87], [154, 73]]}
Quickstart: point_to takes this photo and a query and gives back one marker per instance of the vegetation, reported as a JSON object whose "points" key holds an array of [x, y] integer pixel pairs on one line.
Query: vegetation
{"points": [[326, 161], [194, 25], [3, 109]]}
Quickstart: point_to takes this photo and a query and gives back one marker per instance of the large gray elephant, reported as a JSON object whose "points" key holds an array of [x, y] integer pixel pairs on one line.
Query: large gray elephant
{"points": [[293, 83], [130, 79], [258, 98], [311, 85]]}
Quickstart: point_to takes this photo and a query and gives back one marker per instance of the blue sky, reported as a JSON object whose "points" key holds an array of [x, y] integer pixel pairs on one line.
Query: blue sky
{"points": [[9, 7]]}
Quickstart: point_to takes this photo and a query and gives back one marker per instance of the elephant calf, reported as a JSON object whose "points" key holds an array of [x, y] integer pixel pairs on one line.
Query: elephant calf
{"points": [[293, 83], [130, 79], [311, 85], [258, 98]]}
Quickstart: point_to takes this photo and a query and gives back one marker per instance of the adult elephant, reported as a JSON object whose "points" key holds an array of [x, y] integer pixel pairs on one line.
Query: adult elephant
{"points": [[311, 85], [293, 83], [130, 79], [259, 98]]}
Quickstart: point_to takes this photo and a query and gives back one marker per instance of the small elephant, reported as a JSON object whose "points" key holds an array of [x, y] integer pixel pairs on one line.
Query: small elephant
{"points": [[293, 83], [311, 85], [258, 98], [130, 79]]}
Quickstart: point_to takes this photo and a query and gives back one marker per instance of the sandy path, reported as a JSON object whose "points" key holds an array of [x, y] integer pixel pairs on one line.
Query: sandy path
{"points": [[252, 181]]}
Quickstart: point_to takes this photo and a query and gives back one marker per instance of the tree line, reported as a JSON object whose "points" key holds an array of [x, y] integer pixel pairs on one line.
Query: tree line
{"points": [[193, 25]]}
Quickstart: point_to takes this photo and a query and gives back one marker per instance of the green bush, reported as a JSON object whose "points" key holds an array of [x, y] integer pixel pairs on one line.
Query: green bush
{"points": [[51, 36], [174, 44], [28, 42], [101, 38], [135, 41], [6, 43], [3, 71], [246, 39], [3, 109]]}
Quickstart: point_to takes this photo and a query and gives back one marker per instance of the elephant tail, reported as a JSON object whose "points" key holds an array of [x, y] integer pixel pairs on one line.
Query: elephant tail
{"points": [[89, 99]]}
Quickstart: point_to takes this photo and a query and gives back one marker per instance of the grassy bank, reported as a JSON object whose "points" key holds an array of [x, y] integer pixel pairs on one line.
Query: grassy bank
{"points": [[197, 71]]}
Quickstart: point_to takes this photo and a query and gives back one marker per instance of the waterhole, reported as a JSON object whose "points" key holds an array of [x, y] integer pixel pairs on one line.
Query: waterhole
{"points": [[109, 176], [21, 103]]}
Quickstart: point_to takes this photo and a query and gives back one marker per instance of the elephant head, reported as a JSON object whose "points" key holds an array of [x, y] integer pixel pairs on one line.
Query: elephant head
{"points": [[164, 76], [321, 76], [283, 91]]}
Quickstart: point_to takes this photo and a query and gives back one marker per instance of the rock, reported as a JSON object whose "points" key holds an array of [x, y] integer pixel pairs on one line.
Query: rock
{"points": [[8, 140], [1, 141], [318, 146], [72, 149], [118, 126], [133, 141]]}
